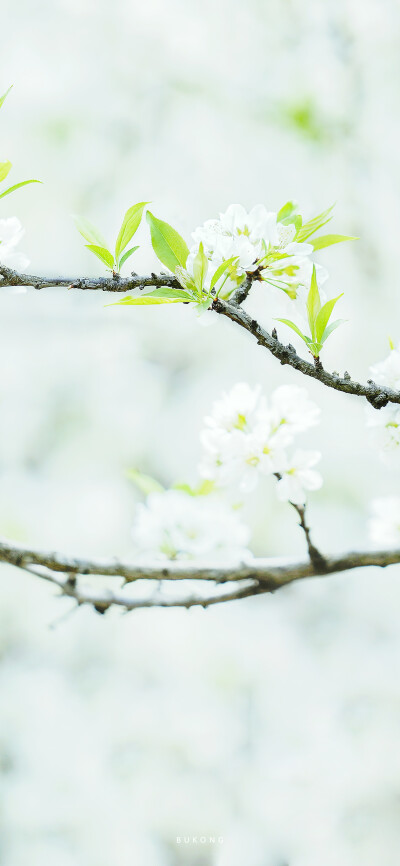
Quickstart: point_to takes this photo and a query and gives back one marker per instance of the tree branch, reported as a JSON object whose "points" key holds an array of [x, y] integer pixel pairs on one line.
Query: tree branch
{"points": [[256, 577], [104, 284], [376, 396], [104, 600]]}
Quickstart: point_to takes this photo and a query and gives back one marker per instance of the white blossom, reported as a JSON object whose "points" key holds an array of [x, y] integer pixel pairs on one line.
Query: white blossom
{"points": [[291, 407], [249, 236], [11, 232], [297, 476], [246, 437], [237, 409], [176, 525], [384, 525], [239, 458], [385, 427], [387, 372]]}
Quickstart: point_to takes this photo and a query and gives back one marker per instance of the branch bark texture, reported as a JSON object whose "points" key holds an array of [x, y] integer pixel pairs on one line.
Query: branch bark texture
{"points": [[377, 396], [258, 576]]}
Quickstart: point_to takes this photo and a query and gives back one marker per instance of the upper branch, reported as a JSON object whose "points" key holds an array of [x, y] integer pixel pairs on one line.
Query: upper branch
{"points": [[114, 283], [376, 396]]}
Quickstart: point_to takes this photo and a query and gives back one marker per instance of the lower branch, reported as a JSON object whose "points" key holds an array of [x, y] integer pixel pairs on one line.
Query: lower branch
{"points": [[255, 577]]}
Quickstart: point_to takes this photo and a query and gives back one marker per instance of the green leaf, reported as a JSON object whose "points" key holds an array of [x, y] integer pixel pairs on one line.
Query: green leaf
{"points": [[178, 294], [4, 169], [287, 210], [145, 483], [130, 225], [145, 301], [89, 231], [2, 98], [315, 349], [332, 327], [203, 489], [17, 186], [314, 225], [324, 316], [200, 268], [221, 269], [102, 253], [203, 306], [328, 240], [167, 244], [158, 296], [295, 328], [126, 255], [313, 303], [185, 488]]}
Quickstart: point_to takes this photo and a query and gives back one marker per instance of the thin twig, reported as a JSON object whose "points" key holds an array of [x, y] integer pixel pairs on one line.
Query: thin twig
{"points": [[317, 559]]}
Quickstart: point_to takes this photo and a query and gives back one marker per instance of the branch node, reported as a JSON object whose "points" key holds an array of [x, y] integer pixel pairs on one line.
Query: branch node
{"points": [[101, 608], [70, 583]]}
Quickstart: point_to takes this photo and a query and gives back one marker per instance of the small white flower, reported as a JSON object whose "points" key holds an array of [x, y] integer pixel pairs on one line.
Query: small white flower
{"points": [[14, 260], [220, 244], [11, 232], [297, 283], [385, 426], [387, 372], [175, 525], [287, 245], [258, 225], [384, 525], [245, 437], [297, 476], [236, 409], [292, 408], [240, 458]]}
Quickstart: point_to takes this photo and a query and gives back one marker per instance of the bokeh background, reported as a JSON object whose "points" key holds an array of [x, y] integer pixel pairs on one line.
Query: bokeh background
{"points": [[273, 723]]}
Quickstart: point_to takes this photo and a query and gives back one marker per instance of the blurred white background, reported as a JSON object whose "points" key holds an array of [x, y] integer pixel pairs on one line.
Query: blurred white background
{"points": [[272, 723]]}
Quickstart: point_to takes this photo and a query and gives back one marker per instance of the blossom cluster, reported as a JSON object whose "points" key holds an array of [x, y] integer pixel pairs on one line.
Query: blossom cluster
{"points": [[246, 437], [256, 240], [11, 232], [174, 524]]}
